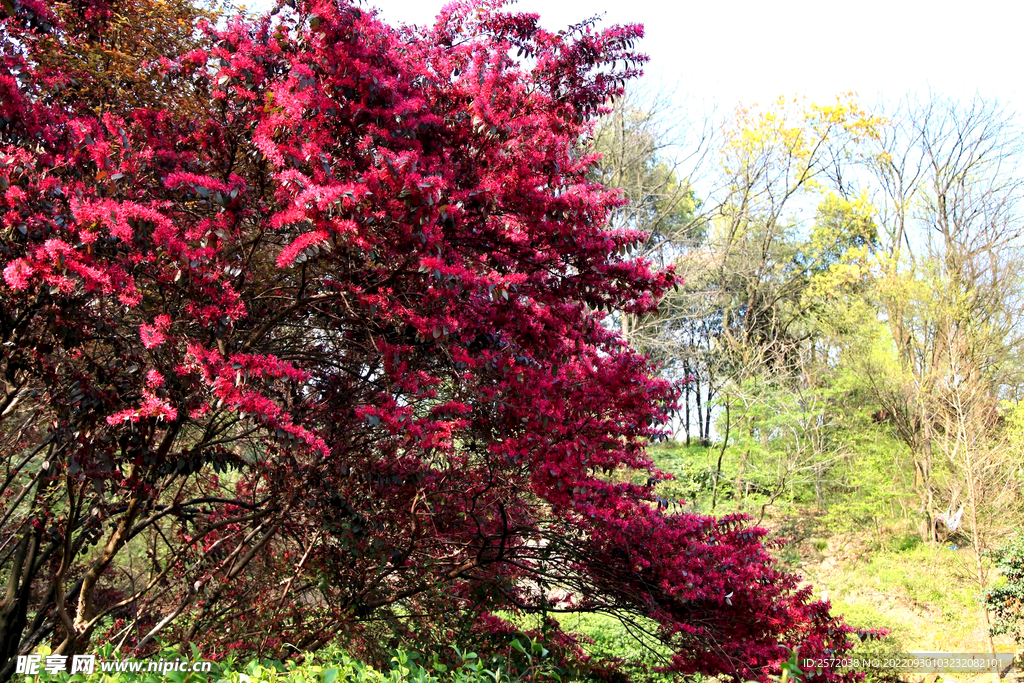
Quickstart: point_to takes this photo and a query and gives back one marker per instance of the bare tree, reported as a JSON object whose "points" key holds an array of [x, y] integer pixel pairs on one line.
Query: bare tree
{"points": [[949, 279]]}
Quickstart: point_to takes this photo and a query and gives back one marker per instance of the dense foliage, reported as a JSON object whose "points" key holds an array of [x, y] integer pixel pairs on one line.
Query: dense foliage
{"points": [[1006, 600], [311, 347]]}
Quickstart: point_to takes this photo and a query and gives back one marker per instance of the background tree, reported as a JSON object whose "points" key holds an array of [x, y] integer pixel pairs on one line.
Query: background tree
{"points": [[754, 312], [111, 61], [650, 150], [948, 283]]}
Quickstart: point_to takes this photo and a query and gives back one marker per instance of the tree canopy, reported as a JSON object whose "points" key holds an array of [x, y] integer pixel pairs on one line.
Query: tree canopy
{"points": [[310, 344]]}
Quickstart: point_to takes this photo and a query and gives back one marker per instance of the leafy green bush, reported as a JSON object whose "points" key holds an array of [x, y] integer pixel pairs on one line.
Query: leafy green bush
{"points": [[886, 647], [1006, 598], [906, 542], [692, 469], [331, 666], [875, 636]]}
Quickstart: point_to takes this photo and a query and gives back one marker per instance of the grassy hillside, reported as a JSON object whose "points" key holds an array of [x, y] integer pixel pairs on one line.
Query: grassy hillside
{"points": [[861, 554]]}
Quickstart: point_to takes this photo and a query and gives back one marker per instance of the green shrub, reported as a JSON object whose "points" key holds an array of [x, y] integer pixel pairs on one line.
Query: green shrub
{"points": [[1006, 598], [884, 648], [329, 666], [906, 543]]}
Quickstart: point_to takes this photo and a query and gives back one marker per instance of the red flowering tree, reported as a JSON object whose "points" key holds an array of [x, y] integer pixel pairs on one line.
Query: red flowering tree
{"points": [[328, 358]]}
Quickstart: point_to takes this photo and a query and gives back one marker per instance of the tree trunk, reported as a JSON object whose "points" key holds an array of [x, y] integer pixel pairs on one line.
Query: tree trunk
{"points": [[721, 453], [686, 399], [706, 439], [700, 413], [14, 608], [738, 488]]}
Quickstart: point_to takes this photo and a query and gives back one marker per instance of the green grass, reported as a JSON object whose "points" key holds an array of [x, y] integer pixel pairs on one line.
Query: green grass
{"points": [[926, 595], [878, 573], [612, 640], [919, 574]]}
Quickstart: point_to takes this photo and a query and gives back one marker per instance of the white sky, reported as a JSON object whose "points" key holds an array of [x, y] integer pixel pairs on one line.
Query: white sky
{"points": [[755, 50]]}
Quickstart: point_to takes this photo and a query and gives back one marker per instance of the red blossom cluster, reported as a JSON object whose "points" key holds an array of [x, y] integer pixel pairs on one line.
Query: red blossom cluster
{"points": [[331, 361]]}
